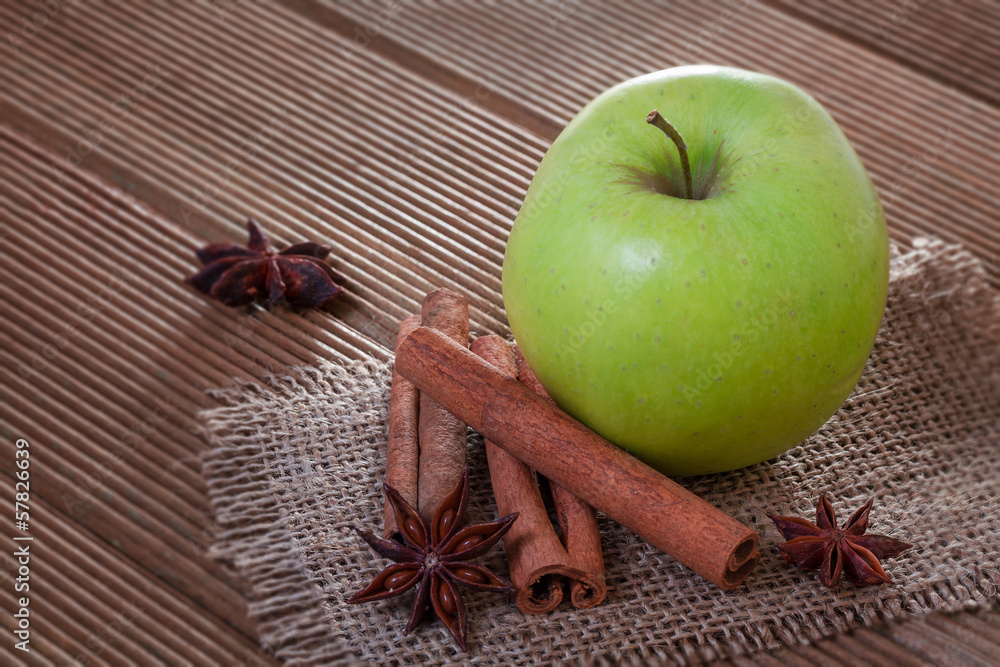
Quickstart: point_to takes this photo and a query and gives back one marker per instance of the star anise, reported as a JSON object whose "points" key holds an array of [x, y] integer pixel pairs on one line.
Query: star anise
{"points": [[238, 275], [437, 557], [836, 550]]}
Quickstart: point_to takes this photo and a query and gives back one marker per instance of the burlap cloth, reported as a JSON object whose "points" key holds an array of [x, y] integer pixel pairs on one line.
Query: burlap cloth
{"points": [[296, 464]]}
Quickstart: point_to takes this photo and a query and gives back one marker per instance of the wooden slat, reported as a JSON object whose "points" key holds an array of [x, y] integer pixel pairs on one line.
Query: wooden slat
{"points": [[890, 651], [108, 457], [112, 596], [410, 156], [937, 646], [339, 164], [954, 41], [157, 343], [860, 653], [576, 50], [967, 630]]}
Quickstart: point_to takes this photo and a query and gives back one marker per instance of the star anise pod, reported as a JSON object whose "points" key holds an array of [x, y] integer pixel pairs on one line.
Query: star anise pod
{"points": [[437, 557], [834, 550], [238, 275]]}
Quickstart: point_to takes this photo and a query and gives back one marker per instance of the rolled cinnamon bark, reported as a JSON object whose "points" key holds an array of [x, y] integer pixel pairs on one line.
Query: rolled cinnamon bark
{"points": [[659, 510], [582, 540], [577, 520], [539, 564], [442, 434], [402, 450]]}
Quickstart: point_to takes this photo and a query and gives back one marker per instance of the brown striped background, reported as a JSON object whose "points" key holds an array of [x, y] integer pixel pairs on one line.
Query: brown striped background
{"points": [[405, 135]]}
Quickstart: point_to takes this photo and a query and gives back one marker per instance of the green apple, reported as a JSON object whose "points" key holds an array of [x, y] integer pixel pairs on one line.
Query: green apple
{"points": [[702, 292]]}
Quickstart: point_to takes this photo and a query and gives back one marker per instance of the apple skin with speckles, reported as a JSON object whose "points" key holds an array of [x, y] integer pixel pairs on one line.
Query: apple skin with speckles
{"points": [[711, 332]]}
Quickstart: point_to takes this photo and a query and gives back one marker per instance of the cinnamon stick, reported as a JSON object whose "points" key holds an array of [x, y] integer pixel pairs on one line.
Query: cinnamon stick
{"points": [[582, 540], [537, 559], [659, 510], [441, 433], [578, 522], [402, 451]]}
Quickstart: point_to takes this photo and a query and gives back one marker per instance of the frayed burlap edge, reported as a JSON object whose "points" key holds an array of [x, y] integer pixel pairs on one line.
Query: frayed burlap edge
{"points": [[285, 605]]}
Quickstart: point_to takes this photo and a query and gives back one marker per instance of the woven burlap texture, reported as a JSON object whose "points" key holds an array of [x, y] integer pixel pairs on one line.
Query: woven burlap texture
{"points": [[295, 465]]}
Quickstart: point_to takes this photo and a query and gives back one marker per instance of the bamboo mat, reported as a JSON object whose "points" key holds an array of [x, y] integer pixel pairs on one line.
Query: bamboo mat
{"points": [[405, 135]]}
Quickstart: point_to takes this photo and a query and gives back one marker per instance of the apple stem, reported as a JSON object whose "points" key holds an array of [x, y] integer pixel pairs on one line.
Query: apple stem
{"points": [[654, 118]]}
